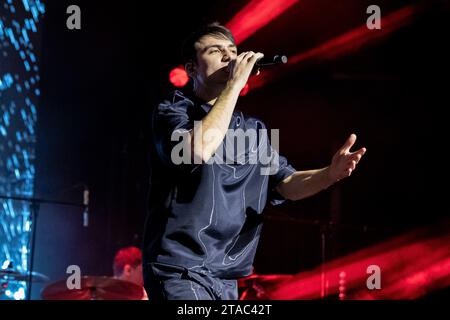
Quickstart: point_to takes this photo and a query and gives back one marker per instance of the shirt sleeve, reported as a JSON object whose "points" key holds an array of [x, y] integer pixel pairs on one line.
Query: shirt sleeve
{"points": [[172, 121], [282, 170]]}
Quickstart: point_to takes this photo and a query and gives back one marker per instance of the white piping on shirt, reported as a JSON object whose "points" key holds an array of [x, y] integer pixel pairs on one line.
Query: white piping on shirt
{"points": [[193, 289], [210, 221]]}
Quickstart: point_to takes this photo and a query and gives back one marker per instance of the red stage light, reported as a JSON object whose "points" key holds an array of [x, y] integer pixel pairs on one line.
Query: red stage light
{"points": [[178, 77], [411, 266], [256, 15], [344, 44]]}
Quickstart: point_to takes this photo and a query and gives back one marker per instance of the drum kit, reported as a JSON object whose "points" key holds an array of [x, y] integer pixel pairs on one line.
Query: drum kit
{"points": [[91, 287], [254, 287], [94, 288]]}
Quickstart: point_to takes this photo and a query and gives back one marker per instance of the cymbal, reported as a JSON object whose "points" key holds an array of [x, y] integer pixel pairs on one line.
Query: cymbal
{"points": [[14, 275], [94, 288]]}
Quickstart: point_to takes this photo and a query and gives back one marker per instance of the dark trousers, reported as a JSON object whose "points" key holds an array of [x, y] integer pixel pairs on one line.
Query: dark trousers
{"points": [[169, 282]]}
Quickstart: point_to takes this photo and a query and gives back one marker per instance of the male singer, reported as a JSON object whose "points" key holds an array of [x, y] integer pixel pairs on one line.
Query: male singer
{"points": [[205, 215]]}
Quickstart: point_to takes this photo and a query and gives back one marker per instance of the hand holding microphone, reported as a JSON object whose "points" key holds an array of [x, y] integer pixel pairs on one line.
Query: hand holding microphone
{"points": [[248, 63], [241, 68]]}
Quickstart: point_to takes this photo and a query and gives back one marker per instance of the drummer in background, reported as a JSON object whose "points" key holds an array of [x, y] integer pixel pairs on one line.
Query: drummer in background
{"points": [[128, 266]]}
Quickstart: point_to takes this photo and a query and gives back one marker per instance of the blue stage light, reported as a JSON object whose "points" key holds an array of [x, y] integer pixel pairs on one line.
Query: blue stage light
{"points": [[19, 96]]}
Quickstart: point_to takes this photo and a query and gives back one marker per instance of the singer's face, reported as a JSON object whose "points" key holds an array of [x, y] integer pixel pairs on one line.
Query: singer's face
{"points": [[213, 55]]}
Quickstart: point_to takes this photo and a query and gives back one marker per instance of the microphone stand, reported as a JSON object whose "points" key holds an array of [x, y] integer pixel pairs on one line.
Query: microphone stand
{"points": [[34, 211]]}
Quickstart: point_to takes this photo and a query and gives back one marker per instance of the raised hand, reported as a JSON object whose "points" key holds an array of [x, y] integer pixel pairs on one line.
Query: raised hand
{"points": [[344, 162]]}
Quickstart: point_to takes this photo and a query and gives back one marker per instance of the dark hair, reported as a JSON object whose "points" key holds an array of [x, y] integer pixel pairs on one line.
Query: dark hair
{"points": [[129, 255], [188, 50]]}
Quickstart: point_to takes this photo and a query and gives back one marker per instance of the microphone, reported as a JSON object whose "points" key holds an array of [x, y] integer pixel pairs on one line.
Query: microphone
{"points": [[265, 62], [271, 61], [86, 207]]}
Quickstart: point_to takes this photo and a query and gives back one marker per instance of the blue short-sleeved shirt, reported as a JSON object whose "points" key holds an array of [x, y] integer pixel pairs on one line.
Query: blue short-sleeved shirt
{"points": [[207, 217]]}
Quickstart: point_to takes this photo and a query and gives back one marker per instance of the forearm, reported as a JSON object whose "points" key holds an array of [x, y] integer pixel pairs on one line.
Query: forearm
{"points": [[210, 132], [303, 184]]}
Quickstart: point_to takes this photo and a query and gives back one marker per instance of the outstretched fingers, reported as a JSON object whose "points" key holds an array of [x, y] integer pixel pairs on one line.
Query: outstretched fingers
{"points": [[357, 155], [348, 144]]}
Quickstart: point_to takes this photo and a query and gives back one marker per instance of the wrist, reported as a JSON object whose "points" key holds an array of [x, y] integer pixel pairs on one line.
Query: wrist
{"points": [[234, 85], [329, 179]]}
